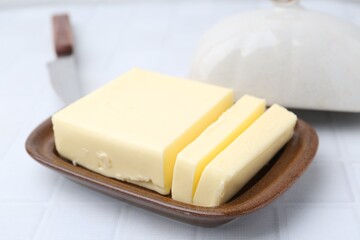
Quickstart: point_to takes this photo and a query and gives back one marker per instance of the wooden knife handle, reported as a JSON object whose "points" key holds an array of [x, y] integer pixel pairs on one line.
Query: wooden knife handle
{"points": [[63, 38]]}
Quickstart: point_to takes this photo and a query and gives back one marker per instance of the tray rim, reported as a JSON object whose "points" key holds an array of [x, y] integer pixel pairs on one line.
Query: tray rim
{"points": [[142, 197]]}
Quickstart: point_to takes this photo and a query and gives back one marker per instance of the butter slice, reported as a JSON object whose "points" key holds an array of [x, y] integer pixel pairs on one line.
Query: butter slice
{"points": [[241, 160], [192, 160], [132, 128]]}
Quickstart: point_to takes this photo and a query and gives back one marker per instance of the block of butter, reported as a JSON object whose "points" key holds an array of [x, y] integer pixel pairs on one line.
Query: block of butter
{"points": [[229, 171], [192, 160], [132, 128]]}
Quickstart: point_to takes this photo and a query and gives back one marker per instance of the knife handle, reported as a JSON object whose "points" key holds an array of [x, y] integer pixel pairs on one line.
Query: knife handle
{"points": [[63, 39]]}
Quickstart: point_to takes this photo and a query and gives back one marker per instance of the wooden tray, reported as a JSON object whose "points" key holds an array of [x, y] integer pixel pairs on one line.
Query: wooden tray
{"points": [[274, 179]]}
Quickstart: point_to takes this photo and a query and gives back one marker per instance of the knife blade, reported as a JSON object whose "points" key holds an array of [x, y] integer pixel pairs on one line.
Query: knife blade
{"points": [[63, 71]]}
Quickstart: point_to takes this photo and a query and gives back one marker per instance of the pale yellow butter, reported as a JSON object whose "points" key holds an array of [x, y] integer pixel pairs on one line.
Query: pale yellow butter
{"points": [[223, 177], [133, 128], [192, 160]]}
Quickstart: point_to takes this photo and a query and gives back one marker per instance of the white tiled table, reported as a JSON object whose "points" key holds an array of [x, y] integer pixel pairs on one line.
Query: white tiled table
{"points": [[36, 203]]}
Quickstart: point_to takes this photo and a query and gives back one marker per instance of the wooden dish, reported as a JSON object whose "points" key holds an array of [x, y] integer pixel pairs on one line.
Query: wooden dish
{"points": [[274, 179]]}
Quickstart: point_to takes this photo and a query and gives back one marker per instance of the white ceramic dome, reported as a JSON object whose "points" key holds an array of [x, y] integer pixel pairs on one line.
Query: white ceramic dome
{"points": [[288, 55]]}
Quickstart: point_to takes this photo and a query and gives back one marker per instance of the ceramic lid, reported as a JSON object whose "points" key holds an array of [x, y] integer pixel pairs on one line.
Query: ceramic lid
{"points": [[286, 54]]}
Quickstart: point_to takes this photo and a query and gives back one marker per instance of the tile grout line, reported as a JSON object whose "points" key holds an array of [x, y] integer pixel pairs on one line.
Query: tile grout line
{"points": [[351, 178], [122, 211], [118, 40], [198, 233], [280, 209], [347, 165], [50, 206], [169, 31], [335, 130], [21, 127]]}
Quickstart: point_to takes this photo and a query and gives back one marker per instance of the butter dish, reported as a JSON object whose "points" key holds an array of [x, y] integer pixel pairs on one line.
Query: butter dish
{"points": [[269, 183]]}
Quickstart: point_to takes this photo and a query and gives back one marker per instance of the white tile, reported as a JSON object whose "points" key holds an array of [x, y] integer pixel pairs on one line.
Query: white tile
{"points": [[97, 40], [79, 221], [356, 169], [322, 223], [8, 54], [348, 131], [72, 192], [140, 224], [25, 83], [112, 13], [15, 111], [323, 183], [30, 181], [145, 41], [198, 16], [151, 18], [329, 149], [19, 222], [262, 224], [176, 60], [23, 179], [125, 60]]}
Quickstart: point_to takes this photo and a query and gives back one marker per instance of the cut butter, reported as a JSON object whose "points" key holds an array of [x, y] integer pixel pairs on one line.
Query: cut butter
{"points": [[132, 128], [225, 175], [192, 160]]}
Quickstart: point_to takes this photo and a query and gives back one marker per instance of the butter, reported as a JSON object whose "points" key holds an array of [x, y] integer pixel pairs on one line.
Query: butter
{"points": [[223, 177], [132, 128], [192, 160]]}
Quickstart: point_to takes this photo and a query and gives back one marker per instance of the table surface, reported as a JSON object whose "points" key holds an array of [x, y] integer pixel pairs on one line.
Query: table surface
{"points": [[37, 203]]}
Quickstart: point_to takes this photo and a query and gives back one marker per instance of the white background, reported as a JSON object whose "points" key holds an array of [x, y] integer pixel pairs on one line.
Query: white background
{"points": [[36, 203]]}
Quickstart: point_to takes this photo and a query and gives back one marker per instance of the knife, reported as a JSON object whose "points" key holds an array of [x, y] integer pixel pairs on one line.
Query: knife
{"points": [[63, 71]]}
